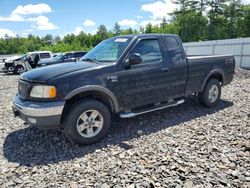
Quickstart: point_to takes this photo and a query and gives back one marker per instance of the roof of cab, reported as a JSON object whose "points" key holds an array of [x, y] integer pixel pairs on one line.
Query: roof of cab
{"points": [[75, 52], [147, 35], [40, 52]]}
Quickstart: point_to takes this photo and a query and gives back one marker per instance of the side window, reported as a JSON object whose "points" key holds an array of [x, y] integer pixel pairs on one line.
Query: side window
{"points": [[44, 55], [174, 49], [68, 56], [75, 55], [78, 54], [149, 50]]}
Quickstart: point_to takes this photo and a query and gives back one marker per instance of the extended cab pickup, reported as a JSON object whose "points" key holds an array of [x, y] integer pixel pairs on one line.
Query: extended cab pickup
{"points": [[125, 75]]}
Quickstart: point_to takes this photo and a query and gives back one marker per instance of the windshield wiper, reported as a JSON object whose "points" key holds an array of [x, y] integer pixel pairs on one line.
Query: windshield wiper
{"points": [[91, 60]]}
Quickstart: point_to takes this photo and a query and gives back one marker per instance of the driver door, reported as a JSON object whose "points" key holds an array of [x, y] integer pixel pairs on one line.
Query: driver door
{"points": [[144, 84]]}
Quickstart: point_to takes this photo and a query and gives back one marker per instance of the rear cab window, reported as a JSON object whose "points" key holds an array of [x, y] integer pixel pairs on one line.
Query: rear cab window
{"points": [[174, 49], [44, 55]]}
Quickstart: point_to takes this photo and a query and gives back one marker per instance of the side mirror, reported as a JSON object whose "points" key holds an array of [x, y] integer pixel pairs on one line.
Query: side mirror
{"points": [[134, 59]]}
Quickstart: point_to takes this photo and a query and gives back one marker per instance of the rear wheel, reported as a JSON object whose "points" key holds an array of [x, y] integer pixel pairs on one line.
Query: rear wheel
{"points": [[87, 122], [211, 93]]}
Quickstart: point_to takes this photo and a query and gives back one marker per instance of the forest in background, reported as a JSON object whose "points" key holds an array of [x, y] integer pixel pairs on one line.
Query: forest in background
{"points": [[194, 20]]}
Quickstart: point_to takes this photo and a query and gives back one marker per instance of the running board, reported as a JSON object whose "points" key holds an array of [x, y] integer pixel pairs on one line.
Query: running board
{"points": [[133, 114]]}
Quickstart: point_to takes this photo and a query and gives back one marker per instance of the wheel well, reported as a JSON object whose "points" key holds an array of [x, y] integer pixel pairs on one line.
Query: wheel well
{"points": [[97, 95], [216, 76]]}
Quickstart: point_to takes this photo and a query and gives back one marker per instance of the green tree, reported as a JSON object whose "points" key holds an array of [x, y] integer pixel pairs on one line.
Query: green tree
{"points": [[48, 39], [102, 32], [188, 20], [217, 21], [69, 39], [163, 23], [195, 27], [57, 39], [201, 6], [128, 31], [243, 22], [184, 6], [193, 20], [117, 29], [232, 13], [149, 28]]}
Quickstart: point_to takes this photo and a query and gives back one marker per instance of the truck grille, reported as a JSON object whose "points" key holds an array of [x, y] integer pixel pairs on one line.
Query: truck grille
{"points": [[24, 89], [8, 65]]}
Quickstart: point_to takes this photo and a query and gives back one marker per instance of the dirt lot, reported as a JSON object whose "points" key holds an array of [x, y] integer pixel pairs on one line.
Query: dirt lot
{"points": [[184, 146]]}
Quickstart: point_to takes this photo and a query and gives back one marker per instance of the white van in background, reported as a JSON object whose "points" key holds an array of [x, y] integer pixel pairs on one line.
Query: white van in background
{"points": [[19, 64]]}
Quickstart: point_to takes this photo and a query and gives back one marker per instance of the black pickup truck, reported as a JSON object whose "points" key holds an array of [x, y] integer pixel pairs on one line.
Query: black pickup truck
{"points": [[124, 75]]}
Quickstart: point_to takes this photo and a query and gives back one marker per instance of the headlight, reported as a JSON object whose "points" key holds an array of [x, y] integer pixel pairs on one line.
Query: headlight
{"points": [[43, 92]]}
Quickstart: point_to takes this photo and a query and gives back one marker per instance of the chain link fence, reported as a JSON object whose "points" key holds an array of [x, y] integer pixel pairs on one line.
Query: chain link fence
{"points": [[240, 48]]}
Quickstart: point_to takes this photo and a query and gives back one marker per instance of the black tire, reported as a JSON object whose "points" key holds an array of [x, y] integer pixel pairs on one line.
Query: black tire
{"points": [[204, 98], [18, 69], [73, 114]]}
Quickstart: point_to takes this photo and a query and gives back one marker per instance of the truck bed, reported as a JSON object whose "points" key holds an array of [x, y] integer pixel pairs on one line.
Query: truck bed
{"points": [[199, 68]]}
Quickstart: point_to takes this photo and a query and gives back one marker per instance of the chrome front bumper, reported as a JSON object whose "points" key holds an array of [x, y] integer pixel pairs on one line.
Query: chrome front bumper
{"points": [[39, 114]]}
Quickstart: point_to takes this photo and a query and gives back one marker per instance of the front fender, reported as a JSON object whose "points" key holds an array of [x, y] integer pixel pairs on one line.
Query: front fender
{"points": [[94, 88]]}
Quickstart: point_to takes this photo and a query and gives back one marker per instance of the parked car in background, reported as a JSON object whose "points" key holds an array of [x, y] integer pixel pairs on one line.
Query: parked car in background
{"points": [[62, 58], [20, 64], [8, 63], [56, 54], [2, 63], [125, 75], [2, 59]]}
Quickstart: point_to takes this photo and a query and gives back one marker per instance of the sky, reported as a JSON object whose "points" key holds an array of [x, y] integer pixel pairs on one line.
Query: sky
{"points": [[61, 17]]}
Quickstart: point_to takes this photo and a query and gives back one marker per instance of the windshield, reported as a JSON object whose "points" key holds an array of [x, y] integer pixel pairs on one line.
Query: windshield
{"points": [[24, 57], [108, 50], [59, 56]]}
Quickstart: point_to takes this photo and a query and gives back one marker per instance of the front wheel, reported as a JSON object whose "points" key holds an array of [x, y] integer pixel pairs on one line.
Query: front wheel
{"points": [[19, 70], [87, 122], [211, 93]]}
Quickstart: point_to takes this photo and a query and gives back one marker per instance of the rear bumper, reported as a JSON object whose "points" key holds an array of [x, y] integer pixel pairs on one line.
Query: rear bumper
{"points": [[45, 115]]}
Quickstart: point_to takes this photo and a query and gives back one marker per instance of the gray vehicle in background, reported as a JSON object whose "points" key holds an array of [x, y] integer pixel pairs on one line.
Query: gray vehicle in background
{"points": [[62, 58], [25, 62]]}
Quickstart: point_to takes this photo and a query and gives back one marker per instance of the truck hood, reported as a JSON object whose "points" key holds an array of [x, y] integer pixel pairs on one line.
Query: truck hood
{"points": [[11, 59], [43, 74]]}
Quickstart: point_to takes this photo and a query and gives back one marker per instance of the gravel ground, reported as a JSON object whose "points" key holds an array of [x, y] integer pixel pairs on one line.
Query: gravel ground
{"points": [[183, 146]]}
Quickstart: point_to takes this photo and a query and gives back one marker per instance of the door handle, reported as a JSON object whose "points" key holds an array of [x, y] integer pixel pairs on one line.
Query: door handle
{"points": [[164, 69]]}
